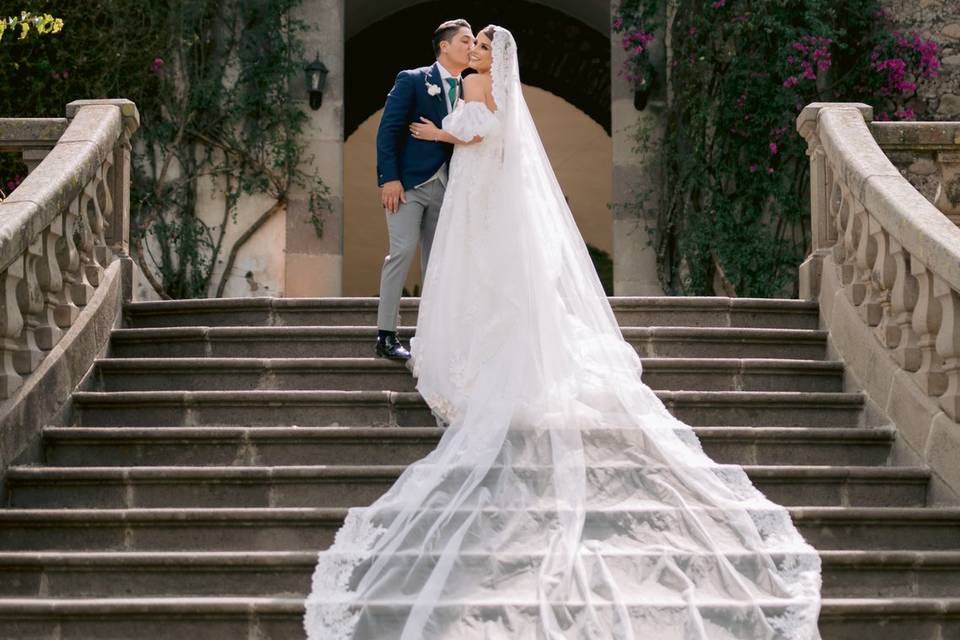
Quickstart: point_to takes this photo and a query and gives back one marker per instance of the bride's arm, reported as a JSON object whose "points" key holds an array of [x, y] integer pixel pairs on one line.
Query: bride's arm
{"points": [[473, 91], [426, 130]]}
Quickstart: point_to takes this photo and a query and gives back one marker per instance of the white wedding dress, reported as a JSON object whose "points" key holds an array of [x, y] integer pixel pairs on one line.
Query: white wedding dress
{"points": [[563, 501]]}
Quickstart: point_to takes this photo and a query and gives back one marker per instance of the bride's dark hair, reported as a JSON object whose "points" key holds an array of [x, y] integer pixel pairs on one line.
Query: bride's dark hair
{"points": [[489, 30]]}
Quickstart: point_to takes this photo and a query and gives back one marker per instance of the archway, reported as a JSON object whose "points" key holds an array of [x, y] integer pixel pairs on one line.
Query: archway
{"points": [[557, 53], [566, 67]]}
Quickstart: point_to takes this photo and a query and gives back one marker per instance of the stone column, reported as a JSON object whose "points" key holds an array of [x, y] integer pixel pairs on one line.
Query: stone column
{"points": [[634, 256], [314, 265]]}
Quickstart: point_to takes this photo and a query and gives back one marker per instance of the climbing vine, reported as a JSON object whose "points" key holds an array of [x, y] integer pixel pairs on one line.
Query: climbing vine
{"points": [[212, 80], [734, 215]]}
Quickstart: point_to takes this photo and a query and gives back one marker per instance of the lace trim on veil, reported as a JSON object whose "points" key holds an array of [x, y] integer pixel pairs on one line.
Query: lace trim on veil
{"points": [[504, 67], [330, 608]]}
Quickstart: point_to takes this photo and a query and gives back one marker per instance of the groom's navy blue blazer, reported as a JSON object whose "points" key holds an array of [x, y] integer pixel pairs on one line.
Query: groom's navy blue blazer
{"points": [[400, 156]]}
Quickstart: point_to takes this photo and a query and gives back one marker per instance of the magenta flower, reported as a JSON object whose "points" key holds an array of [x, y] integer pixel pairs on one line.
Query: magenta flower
{"points": [[773, 148], [618, 23], [791, 82], [754, 168], [157, 65], [719, 4]]}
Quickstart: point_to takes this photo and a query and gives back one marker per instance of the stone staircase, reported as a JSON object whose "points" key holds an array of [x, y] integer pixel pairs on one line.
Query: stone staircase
{"points": [[215, 450]]}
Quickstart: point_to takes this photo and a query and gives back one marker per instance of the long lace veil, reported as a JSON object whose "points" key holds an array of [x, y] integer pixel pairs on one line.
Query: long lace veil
{"points": [[563, 501]]}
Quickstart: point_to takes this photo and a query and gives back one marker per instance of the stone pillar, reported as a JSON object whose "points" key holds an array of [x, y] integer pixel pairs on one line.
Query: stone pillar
{"points": [[634, 256], [314, 265]]}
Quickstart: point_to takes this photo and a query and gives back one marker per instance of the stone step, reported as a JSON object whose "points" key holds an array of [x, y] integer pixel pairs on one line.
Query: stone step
{"points": [[29, 574], [168, 529], [358, 341], [650, 311], [281, 618], [290, 529], [372, 374], [388, 408], [136, 446], [347, 486], [891, 574]]}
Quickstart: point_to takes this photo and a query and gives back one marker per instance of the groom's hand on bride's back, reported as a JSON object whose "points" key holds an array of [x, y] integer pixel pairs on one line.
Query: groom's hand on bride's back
{"points": [[391, 195]]}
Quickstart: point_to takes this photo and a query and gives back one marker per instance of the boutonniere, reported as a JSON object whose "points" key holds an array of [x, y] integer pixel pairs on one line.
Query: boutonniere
{"points": [[432, 89]]}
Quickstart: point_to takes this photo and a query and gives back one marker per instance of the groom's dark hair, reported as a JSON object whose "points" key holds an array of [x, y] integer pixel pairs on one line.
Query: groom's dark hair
{"points": [[446, 31]]}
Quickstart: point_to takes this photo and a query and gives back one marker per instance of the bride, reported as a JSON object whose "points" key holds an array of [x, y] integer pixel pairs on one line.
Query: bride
{"points": [[563, 501]]}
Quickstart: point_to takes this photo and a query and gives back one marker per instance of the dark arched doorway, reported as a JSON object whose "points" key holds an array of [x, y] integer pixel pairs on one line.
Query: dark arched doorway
{"points": [[565, 66], [558, 53]]}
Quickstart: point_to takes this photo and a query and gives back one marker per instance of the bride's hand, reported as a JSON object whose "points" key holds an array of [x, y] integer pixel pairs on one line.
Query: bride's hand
{"points": [[425, 130]]}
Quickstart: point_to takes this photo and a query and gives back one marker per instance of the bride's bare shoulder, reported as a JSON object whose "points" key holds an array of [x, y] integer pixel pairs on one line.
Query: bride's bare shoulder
{"points": [[477, 84], [478, 87]]}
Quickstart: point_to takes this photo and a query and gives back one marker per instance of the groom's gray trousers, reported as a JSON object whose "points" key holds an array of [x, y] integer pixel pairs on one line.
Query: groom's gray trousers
{"points": [[414, 223]]}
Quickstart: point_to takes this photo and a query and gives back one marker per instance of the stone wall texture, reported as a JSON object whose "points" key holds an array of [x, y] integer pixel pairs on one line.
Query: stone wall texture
{"points": [[939, 19]]}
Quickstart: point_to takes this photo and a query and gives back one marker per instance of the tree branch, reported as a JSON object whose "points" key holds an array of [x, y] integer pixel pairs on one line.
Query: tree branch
{"points": [[246, 235], [147, 273]]}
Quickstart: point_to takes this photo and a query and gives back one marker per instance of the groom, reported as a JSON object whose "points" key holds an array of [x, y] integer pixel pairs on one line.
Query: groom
{"points": [[412, 173]]}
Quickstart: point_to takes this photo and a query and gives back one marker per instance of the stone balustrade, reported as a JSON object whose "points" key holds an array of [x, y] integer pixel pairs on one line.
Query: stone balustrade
{"points": [[928, 156], [61, 227], [897, 257]]}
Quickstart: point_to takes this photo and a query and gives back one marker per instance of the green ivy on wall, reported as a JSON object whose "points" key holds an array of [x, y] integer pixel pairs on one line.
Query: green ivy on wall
{"points": [[735, 214], [211, 79]]}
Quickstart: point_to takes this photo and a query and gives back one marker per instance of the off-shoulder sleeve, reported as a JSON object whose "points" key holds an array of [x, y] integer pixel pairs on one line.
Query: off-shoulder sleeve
{"points": [[470, 119]]}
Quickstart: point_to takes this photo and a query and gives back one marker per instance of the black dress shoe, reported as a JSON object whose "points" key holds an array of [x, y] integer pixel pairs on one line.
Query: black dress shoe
{"points": [[390, 347]]}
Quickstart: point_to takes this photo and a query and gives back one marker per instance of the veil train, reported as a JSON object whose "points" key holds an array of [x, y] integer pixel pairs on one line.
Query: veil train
{"points": [[563, 500]]}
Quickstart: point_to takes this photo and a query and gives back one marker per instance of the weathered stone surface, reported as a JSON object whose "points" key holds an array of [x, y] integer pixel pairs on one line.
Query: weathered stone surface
{"points": [[45, 392], [951, 31], [949, 105]]}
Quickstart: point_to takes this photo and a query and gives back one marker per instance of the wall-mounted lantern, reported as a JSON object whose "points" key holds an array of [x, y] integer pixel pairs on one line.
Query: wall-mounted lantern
{"points": [[316, 80]]}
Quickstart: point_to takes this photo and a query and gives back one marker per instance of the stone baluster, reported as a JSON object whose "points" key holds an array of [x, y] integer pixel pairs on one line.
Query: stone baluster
{"points": [[11, 325], [948, 345], [91, 230], [863, 285], [947, 197], [855, 228], [838, 213], [30, 299], [849, 239], [103, 212], [926, 323], [883, 276], [55, 316], [76, 274], [903, 299]]}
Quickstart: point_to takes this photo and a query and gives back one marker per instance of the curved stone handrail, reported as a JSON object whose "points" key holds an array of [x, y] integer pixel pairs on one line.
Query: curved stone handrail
{"points": [[897, 255], [59, 229]]}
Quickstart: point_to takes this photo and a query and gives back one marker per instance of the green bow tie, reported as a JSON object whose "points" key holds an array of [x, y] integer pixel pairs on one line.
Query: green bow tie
{"points": [[452, 93]]}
